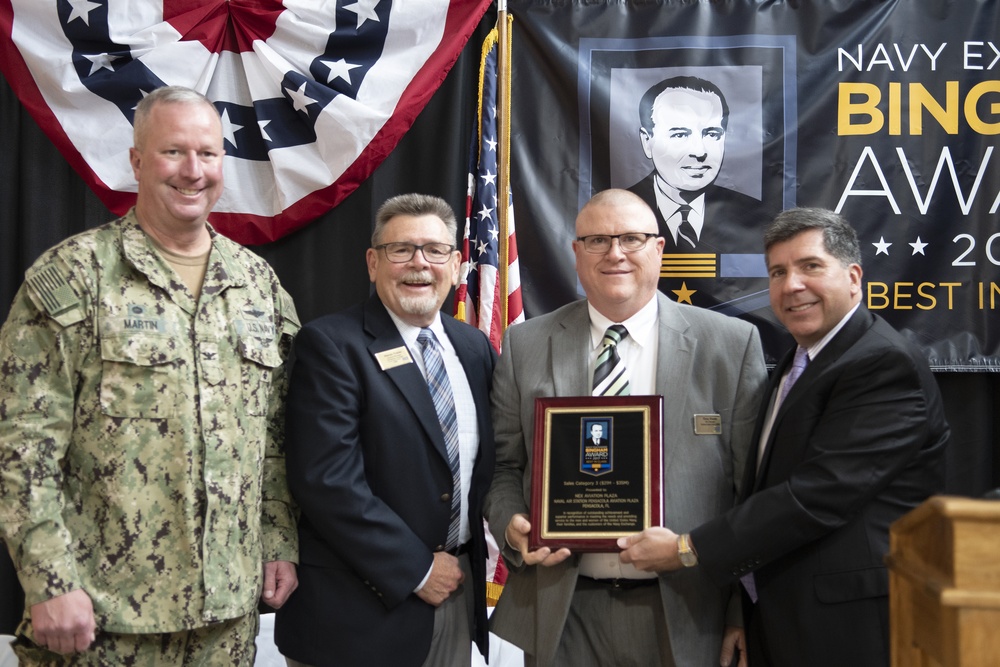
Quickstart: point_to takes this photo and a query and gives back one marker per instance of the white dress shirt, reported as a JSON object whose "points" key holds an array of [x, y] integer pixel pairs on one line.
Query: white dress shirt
{"points": [[465, 408], [638, 350]]}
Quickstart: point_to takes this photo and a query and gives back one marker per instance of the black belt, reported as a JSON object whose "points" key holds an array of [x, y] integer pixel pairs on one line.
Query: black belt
{"points": [[622, 584], [460, 550]]}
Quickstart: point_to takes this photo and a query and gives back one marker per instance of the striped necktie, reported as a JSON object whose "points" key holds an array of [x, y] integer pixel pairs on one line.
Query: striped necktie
{"points": [[610, 378], [444, 405], [686, 229]]}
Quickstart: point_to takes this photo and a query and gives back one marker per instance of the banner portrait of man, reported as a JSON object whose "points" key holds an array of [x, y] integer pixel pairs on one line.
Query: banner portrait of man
{"points": [[696, 127]]}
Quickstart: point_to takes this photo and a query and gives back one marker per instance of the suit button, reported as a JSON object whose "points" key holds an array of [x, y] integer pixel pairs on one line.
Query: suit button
{"points": [[439, 547], [446, 497]]}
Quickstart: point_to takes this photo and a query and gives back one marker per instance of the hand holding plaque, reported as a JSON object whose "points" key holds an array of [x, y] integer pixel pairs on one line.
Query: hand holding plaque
{"points": [[596, 471]]}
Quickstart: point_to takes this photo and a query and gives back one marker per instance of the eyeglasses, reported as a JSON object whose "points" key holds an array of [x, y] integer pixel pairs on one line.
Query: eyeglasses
{"points": [[599, 244], [398, 253]]}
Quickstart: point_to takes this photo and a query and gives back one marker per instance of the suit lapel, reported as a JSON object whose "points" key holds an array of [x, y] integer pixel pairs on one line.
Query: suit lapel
{"points": [[407, 377], [570, 340], [675, 356], [852, 330], [754, 472]]}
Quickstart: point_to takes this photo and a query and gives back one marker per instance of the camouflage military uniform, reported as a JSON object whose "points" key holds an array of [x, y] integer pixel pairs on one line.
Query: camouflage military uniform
{"points": [[141, 454]]}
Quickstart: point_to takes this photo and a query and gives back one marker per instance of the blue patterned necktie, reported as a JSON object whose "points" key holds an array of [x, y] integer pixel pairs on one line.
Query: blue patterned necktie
{"points": [[610, 378], [444, 405]]}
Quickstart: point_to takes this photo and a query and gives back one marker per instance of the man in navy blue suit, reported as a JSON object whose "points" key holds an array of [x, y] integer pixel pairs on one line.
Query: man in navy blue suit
{"points": [[851, 436], [392, 550]]}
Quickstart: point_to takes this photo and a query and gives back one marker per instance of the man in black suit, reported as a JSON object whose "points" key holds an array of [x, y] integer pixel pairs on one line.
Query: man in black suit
{"points": [[683, 123], [392, 549], [851, 438]]}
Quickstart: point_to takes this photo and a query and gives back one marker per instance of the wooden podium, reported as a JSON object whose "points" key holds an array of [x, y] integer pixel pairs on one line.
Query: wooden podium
{"points": [[944, 584]]}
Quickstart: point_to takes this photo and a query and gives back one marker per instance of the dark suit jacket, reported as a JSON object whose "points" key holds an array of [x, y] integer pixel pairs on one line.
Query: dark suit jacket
{"points": [[367, 464], [858, 442], [734, 222]]}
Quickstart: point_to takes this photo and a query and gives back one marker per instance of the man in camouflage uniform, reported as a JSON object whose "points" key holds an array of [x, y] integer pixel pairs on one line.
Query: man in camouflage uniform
{"points": [[142, 479]]}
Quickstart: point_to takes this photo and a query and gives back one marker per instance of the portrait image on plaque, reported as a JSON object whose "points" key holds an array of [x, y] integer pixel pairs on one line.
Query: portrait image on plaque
{"points": [[596, 471]]}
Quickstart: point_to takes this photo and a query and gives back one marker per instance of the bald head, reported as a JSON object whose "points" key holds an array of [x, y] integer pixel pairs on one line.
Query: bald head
{"points": [[622, 199], [618, 283]]}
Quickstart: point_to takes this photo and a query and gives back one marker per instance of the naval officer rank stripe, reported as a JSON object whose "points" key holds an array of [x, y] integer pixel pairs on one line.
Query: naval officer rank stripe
{"points": [[689, 265]]}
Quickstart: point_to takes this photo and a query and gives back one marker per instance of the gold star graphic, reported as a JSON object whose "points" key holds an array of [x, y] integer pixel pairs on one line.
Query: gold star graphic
{"points": [[684, 294]]}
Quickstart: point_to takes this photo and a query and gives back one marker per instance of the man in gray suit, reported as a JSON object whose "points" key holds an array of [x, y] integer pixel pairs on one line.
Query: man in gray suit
{"points": [[566, 609]]}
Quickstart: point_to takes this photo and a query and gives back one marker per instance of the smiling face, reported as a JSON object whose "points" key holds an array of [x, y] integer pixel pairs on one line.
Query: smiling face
{"points": [[618, 284], [413, 290], [688, 141], [811, 290], [597, 431], [178, 165]]}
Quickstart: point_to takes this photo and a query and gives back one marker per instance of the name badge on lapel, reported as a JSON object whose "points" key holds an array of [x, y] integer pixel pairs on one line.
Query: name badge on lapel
{"points": [[707, 424], [397, 356]]}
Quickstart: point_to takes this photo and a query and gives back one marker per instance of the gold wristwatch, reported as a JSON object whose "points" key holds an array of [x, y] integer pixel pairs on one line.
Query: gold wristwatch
{"points": [[684, 550]]}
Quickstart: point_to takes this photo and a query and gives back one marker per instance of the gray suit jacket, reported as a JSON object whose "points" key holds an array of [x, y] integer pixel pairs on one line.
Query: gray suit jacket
{"points": [[707, 364]]}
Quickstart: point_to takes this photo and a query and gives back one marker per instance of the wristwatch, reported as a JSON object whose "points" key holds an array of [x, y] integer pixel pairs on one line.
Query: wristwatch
{"points": [[685, 551]]}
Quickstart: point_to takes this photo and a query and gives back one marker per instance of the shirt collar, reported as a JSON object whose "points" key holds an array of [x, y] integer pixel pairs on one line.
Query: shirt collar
{"points": [[818, 346], [668, 206], [410, 332], [641, 326]]}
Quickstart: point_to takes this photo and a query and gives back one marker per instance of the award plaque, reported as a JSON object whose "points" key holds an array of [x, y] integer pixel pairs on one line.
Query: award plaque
{"points": [[596, 471]]}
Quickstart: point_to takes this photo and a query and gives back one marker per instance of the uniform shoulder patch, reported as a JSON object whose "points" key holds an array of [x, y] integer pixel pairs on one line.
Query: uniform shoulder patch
{"points": [[53, 290]]}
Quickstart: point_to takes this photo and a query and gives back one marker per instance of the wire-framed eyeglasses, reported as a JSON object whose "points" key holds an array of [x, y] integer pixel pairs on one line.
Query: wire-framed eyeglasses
{"points": [[399, 252], [600, 244]]}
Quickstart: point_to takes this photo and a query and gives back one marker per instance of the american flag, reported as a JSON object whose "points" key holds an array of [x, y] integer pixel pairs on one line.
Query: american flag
{"points": [[313, 94], [489, 294]]}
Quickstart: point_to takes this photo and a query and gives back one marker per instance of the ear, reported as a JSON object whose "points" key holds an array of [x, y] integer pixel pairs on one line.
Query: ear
{"points": [[456, 266], [371, 259], [135, 160], [854, 271], [646, 138]]}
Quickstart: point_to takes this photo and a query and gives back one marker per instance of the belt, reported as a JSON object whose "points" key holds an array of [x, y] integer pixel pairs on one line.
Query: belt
{"points": [[622, 584], [460, 550]]}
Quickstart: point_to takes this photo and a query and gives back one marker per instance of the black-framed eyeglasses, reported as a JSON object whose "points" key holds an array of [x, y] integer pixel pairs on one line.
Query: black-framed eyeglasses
{"points": [[399, 252], [599, 244]]}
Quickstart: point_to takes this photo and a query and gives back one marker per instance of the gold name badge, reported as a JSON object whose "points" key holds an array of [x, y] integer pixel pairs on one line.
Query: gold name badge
{"points": [[707, 424], [395, 357]]}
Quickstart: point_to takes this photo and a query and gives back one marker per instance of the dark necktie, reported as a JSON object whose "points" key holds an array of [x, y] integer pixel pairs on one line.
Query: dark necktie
{"points": [[610, 378], [686, 230], [444, 405]]}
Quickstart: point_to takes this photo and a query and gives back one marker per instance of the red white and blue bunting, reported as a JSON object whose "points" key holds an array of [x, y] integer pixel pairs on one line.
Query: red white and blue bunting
{"points": [[313, 94]]}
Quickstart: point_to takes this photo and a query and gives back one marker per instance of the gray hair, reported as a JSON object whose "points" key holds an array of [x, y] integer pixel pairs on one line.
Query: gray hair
{"points": [[839, 238], [414, 204], [163, 95]]}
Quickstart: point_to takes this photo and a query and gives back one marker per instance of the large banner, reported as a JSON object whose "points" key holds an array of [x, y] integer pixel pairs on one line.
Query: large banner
{"points": [[313, 94], [886, 112]]}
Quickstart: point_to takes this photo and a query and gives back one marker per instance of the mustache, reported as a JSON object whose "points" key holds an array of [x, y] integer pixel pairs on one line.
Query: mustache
{"points": [[418, 277]]}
